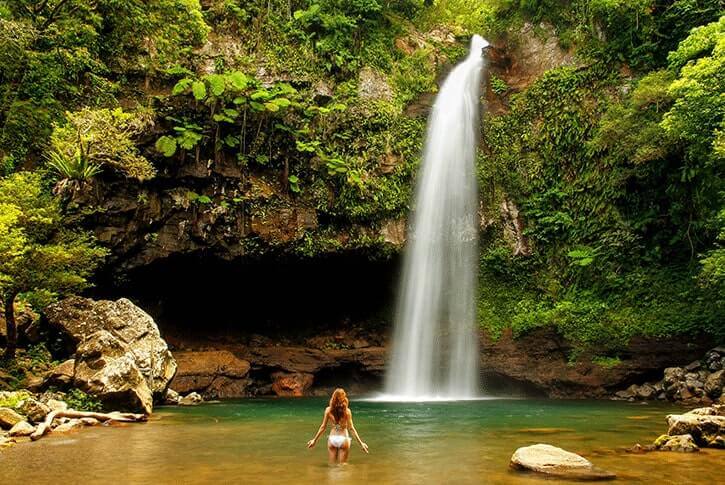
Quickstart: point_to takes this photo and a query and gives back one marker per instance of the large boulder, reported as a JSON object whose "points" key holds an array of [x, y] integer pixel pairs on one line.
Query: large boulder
{"points": [[213, 374], [120, 355], [556, 462], [706, 430]]}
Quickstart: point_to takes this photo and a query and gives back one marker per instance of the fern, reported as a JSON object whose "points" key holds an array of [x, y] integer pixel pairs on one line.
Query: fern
{"points": [[76, 167]]}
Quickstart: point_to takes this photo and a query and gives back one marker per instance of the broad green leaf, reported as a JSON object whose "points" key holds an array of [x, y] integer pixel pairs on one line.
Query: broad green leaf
{"points": [[199, 90], [166, 145]]}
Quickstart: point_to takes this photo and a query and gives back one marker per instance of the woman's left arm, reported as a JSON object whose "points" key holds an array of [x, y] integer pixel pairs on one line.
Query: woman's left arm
{"points": [[354, 432]]}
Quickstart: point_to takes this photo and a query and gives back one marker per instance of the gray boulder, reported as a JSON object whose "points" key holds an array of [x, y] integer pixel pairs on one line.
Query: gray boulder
{"points": [[120, 355], [556, 462]]}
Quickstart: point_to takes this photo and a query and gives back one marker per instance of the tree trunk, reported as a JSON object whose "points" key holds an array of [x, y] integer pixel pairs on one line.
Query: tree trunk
{"points": [[12, 329]]}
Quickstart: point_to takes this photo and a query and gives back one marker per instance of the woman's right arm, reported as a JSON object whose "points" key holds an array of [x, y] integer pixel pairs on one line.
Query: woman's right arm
{"points": [[313, 441]]}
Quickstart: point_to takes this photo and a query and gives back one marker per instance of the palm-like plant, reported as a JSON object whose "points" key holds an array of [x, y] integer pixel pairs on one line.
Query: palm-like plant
{"points": [[72, 171]]}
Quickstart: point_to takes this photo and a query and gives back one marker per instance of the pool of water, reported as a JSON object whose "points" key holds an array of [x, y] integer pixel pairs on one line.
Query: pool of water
{"points": [[263, 441]]}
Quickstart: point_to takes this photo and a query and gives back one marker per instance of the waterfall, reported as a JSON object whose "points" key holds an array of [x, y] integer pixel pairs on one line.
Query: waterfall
{"points": [[435, 343]]}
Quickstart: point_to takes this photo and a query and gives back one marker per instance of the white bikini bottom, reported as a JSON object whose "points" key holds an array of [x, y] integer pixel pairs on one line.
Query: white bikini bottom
{"points": [[338, 440]]}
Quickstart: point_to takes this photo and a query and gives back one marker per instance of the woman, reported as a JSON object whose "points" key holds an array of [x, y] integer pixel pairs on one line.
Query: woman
{"points": [[340, 417]]}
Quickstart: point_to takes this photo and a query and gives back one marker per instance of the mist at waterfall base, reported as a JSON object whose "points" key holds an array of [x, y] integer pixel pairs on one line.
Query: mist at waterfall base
{"points": [[435, 343]]}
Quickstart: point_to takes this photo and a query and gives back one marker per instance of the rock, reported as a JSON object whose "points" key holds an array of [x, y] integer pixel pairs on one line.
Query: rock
{"points": [[120, 356], [56, 405], [714, 410], [705, 430], [89, 421], [172, 397], [33, 409], [692, 366], [61, 376], [360, 344], [191, 399], [291, 384], [6, 441], [715, 383], [213, 374], [682, 443], [23, 428], [373, 85], [69, 425], [9, 418], [646, 391], [553, 461]]}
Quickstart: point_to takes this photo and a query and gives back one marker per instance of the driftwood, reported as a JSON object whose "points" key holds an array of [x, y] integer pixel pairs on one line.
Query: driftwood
{"points": [[44, 427]]}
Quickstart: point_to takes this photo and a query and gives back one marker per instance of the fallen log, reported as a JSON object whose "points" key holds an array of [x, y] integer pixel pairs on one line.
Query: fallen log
{"points": [[45, 426]]}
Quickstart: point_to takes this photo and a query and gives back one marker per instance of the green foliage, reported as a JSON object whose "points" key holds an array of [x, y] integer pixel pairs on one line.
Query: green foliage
{"points": [[38, 249], [75, 168], [14, 400], [498, 85], [57, 55], [619, 192], [607, 362], [80, 401], [93, 138]]}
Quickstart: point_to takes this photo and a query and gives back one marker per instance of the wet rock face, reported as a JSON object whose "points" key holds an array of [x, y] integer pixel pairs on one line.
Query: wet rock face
{"points": [[556, 462], [120, 355], [213, 374], [541, 358], [291, 384]]}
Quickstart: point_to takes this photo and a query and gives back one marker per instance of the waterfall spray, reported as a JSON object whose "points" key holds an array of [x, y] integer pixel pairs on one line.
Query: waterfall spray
{"points": [[435, 344]]}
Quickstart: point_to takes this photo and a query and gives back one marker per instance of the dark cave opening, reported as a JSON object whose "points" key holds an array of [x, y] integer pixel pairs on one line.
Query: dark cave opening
{"points": [[203, 297]]}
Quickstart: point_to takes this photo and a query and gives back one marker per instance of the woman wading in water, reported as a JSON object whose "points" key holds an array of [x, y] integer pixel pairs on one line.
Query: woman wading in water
{"points": [[338, 414]]}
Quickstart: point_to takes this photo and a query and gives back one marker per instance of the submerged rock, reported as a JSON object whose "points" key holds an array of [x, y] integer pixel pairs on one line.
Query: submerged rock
{"points": [[683, 443], [556, 462], [120, 356], [9, 418]]}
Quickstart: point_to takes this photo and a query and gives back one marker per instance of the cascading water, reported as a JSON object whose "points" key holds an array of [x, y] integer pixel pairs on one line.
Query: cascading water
{"points": [[435, 346]]}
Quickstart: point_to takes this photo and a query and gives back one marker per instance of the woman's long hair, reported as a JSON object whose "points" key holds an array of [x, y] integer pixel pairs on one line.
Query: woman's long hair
{"points": [[338, 405]]}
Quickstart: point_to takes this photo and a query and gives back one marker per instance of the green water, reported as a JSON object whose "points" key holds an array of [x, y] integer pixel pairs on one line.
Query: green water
{"points": [[263, 441]]}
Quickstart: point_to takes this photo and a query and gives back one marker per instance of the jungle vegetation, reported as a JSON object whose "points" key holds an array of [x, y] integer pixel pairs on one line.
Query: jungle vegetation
{"points": [[614, 161]]}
